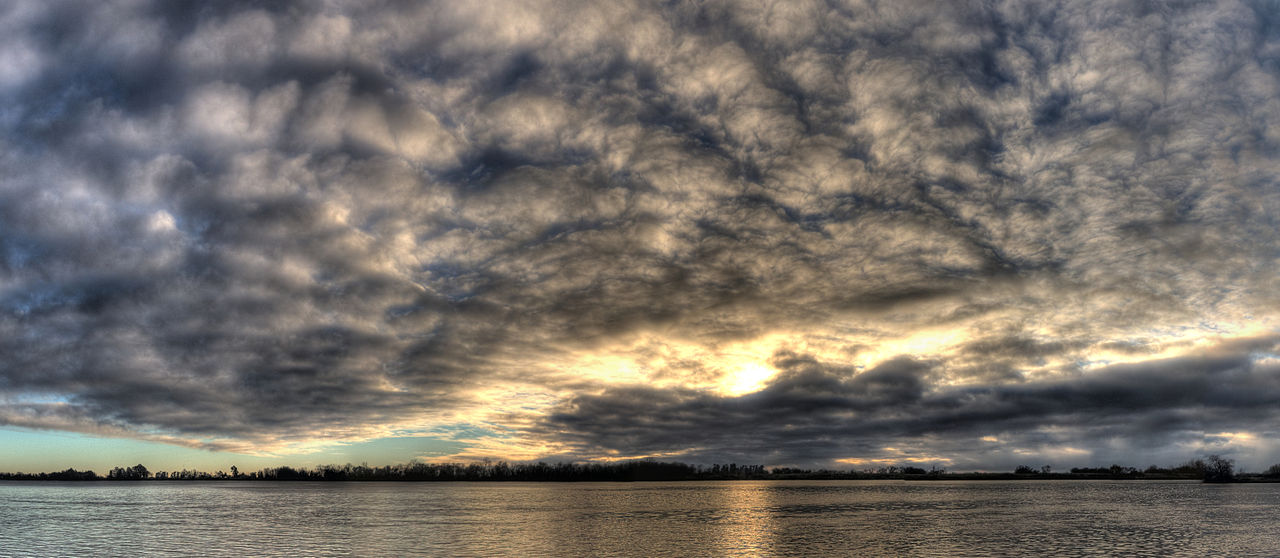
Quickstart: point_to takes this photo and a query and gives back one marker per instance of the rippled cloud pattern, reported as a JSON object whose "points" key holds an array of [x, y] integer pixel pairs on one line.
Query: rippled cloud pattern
{"points": [[965, 233]]}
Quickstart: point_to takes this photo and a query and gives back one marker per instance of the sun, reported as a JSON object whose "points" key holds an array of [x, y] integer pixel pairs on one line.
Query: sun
{"points": [[746, 377]]}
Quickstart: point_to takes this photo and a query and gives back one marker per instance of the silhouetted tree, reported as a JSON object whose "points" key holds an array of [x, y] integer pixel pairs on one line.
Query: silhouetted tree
{"points": [[1219, 469], [1193, 468], [71, 475], [137, 472]]}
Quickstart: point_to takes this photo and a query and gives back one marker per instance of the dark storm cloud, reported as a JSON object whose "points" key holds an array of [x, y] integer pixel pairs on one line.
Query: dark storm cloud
{"points": [[814, 413], [247, 226]]}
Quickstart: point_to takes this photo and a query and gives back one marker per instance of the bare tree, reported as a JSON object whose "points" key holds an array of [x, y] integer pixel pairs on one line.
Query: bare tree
{"points": [[1219, 469]]}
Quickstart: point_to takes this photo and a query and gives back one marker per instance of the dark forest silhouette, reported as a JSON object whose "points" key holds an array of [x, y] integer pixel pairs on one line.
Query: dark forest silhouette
{"points": [[1212, 468]]}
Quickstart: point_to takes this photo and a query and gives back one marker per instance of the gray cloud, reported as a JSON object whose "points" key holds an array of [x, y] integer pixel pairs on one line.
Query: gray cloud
{"points": [[249, 227], [815, 413]]}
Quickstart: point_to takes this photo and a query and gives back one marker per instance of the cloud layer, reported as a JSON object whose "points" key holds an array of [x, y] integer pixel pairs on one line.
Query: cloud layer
{"points": [[799, 233]]}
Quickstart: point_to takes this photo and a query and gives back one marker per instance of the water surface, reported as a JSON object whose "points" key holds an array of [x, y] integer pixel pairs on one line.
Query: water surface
{"points": [[745, 518]]}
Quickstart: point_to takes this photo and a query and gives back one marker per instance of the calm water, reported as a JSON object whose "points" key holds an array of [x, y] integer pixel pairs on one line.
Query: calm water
{"points": [[844, 518]]}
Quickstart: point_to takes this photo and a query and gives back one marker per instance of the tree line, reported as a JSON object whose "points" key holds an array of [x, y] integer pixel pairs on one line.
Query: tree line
{"points": [[1212, 468], [417, 471]]}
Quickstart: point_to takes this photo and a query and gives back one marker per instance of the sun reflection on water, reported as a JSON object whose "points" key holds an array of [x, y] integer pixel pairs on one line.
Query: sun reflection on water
{"points": [[747, 526]]}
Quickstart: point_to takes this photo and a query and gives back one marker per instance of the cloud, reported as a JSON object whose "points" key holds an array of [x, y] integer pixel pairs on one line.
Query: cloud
{"points": [[789, 233], [815, 413]]}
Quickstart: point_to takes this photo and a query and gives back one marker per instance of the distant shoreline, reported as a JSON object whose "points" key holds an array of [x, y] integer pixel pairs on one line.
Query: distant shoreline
{"points": [[1242, 479], [1213, 469]]}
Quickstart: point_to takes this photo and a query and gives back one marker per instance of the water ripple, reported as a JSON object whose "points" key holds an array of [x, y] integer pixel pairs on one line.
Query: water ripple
{"points": [[792, 518]]}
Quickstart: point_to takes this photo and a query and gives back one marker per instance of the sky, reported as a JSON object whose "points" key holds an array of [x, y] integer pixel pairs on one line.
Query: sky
{"points": [[849, 234]]}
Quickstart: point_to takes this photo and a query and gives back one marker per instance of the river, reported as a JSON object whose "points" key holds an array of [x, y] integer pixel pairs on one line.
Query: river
{"points": [[744, 518]]}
